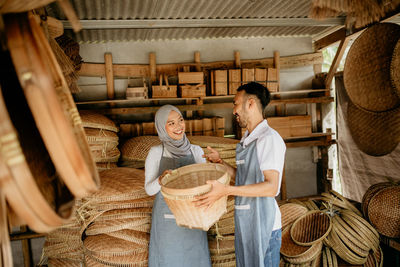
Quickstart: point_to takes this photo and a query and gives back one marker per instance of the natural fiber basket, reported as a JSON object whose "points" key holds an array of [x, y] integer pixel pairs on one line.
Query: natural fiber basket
{"points": [[55, 262], [367, 68], [104, 227], [137, 237], [182, 186], [146, 202], [137, 148], [217, 258], [375, 134], [395, 69], [222, 246], [214, 142], [311, 228], [135, 260], [295, 253], [290, 212], [91, 119], [371, 191], [225, 263], [105, 245], [103, 137], [102, 155], [125, 214], [384, 211], [101, 166]]}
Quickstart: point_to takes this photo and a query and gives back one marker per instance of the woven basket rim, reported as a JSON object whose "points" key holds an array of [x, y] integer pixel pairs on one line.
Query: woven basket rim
{"points": [[92, 119], [395, 68]]}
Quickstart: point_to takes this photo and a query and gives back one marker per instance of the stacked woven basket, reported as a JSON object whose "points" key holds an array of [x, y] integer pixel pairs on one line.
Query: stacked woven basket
{"points": [[134, 151], [381, 206], [372, 82], [113, 224], [101, 134], [327, 231]]}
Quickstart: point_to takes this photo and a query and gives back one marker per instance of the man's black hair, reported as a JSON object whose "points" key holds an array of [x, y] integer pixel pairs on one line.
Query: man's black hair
{"points": [[259, 90]]}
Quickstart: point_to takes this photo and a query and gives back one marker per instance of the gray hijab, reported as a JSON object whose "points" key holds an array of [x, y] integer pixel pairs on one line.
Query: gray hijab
{"points": [[177, 148]]}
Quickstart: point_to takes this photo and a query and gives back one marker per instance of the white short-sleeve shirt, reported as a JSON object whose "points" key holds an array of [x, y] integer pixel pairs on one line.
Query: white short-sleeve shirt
{"points": [[152, 165], [271, 155]]}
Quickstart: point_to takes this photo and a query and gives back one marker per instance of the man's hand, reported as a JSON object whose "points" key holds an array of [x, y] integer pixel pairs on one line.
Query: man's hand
{"points": [[212, 156], [163, 175], [218, 190]]}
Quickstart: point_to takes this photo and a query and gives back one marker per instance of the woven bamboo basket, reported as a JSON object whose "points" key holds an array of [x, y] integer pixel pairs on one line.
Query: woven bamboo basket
{"points": [[91, 119], [182, 186], [225, 263], [139, 238], [101, 155], [146, 202], [217, 258], [108, 139], [137, 148], [221, 247], [384, 211], [395, 69], [290, 212], [55, 262], [371, 191], [298, 254], [367, 68], [135, 260], [108, 246], [329, 258], [125, 214], [104, 227], [214, 142], [101, 166], [311, 228]]}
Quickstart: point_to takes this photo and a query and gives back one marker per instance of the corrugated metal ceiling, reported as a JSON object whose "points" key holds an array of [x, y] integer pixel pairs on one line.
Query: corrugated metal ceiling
{"points": [[180, 11]]}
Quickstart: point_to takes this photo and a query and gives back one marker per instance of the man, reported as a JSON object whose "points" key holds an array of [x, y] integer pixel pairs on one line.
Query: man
{"points": [[259, 158]]}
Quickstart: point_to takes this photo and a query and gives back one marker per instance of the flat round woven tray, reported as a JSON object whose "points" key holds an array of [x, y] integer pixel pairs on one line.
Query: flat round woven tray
{"points": [[125, 214], [384, 211], [91, 119], [137, 148], [105, 245], [135, 260], [371, 191], [120, 184], [214, 142], [376, 134], [290, 212], [104, 227], [367, 68], [395, 68], [311, 228]]}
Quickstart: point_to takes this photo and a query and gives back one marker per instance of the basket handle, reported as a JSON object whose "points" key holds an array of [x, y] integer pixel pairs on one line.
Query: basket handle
{"points": [[161, 79]]}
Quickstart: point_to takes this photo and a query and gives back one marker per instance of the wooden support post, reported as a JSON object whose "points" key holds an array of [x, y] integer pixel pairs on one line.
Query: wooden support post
{"points": [[237, 59], [153, 67], [197, 60], [26, 249], [279, 109], [109, 75], [336, 62]]}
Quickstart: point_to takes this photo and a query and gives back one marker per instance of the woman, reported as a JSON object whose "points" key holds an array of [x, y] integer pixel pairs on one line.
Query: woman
{"points": [[172, 245]]}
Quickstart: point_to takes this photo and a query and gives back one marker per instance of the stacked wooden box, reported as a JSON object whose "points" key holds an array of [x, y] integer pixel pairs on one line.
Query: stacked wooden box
{"points": [[191, 84], [137, 89], [164, 91]]}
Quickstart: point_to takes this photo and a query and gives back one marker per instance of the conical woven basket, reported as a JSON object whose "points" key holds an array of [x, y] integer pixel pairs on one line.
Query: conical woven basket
{"points": [[367, 68], [104, 227], [311, 228], [137, 148], [136, 260], [290, 212], [376, 134], [125, 214], [384, 211], [182, 186], [91, 119]]}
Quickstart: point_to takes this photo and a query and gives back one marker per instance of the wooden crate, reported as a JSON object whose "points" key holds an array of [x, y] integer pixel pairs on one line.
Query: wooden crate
{"points": [[291, 126], [272, 80], [187, 90], [235, 79], [136, 93], [247, 75], [260, 76], [164, 91], [219, 82], [191, 77], [208, 127], [198, 127], [219, 126]]}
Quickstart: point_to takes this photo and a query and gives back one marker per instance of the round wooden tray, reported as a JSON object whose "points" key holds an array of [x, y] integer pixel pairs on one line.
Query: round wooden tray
{"points": [[51, 104]]}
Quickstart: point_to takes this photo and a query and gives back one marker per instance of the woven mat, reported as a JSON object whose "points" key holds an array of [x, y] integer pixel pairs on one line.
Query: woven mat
{"points": [[376, 134], [91, 119], [137, 148], [367, 68]]}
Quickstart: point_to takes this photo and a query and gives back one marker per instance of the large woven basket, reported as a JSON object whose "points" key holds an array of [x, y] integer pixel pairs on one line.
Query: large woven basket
{"points": [[290, 212], [105, 245], [137, 237], [367, 68], [375, 134], [101, 155], [395, 69], [214, 142], [311, 228], [371, 191], [182, 186], [108, 139], [91, 119], [384, 211], [137, 148]]}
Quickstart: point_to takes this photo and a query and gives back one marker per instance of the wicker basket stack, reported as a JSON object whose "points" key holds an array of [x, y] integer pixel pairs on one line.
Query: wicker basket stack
{"points": [[381, 206], [328, 230], [101, 134], [134, 151]]}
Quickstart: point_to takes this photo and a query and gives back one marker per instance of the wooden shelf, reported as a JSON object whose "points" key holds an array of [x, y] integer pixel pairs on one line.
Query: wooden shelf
{"points": [[315, 139]]}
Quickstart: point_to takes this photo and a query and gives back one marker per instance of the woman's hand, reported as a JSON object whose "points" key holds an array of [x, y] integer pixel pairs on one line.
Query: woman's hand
{"points": [[212, 156], [163, 175]]}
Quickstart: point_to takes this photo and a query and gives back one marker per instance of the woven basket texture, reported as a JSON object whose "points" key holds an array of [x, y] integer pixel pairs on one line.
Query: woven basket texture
{"points": [[54, 262], [290, 212], [104, 227], [345, 202], [221, 246], [101, 155], [91, 119], [222, 223], [101, 166], [125, 214], [139, 238], [180, 188], [311, 228], [214, 142], [229, 230], [108, 139], [105, 245], [225, 263], [137, 148], [217, 258], [224, 154], [395, 68], [350, 242], [371, 191], [120, 184], [136, 260], [375, 134], [367, 68], [146, 202], [384, 211]]}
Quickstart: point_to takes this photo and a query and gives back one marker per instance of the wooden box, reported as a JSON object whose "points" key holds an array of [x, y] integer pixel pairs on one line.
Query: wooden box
{"points": [[198, 127], [260, 76], [164, 91], [219, 82], [272, 80], [191, 77], [188, 91], [208, 126], [247, 75], [219, 126], [291, 126], [235, 80], [136, 92]]}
